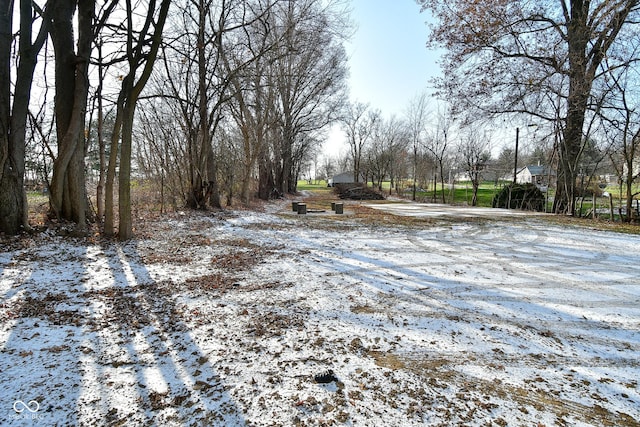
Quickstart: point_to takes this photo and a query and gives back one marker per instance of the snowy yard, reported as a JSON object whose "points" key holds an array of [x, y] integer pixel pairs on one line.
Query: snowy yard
{"points": [[227, 319]]}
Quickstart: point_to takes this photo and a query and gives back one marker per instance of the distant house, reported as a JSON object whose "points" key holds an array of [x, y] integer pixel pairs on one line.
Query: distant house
{"points": [[538, 175], [341, 178]]}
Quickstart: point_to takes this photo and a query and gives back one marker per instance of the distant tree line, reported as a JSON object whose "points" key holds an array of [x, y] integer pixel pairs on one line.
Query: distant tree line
{"points": [[215, 102], [563, 72], [208, 100]]}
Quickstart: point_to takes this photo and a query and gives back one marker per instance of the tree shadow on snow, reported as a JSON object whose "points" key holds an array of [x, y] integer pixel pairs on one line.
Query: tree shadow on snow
{"points": [[501, 323], [87, 337], [143, 351], [39, 374]]}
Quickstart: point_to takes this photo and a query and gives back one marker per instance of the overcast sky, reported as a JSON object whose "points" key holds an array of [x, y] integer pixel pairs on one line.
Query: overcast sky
{"points": [[388, 60]]}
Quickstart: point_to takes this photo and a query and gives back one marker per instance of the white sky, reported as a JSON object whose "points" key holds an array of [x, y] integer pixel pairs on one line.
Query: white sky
{"points": [[388, 59]]}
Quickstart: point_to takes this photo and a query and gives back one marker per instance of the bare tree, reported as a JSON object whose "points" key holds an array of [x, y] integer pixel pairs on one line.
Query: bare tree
{"points": [[227, 77], [140, 54], [328, 167], [251, 96], [161, 155], [359, 123], [385, 154], [14, 110], [417, 114], [522, 57], [621, 127], [102, 159], [503, 165], [308, 73], [68, 196], [438, 146], [287, 78], [474, 151]]}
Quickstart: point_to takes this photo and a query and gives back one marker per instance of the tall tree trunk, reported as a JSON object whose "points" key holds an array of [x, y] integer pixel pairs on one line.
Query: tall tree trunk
{"points": [[247, 165], [209, 183], [414, 172], [68, 194], [585, 58], [266, 181], [629, 180], [135, 57], [13, 122], [440, 161], [579, 89], [109, 205], [286, 158], [101, 145], [476, 184], [213, 188], [199, 145], [125, 224], [12, 201]]}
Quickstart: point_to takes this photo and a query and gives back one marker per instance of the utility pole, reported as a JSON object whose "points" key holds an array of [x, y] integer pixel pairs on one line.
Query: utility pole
{"points": [[515, 169], [515, 164]]}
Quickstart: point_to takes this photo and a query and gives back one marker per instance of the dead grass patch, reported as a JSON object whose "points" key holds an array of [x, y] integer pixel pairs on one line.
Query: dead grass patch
{"points": [[211, 282], [237, 260], [440, 372], [274, 324], [598, 224], [364, 309], [387, 360]]}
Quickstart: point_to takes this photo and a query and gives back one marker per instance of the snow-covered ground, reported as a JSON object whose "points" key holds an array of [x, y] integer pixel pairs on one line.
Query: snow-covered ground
{"points": [[231, 319]]}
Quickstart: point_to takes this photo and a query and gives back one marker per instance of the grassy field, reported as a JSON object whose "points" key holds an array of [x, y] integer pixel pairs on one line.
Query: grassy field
{"points": [[460, 194], [321, 185]]}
